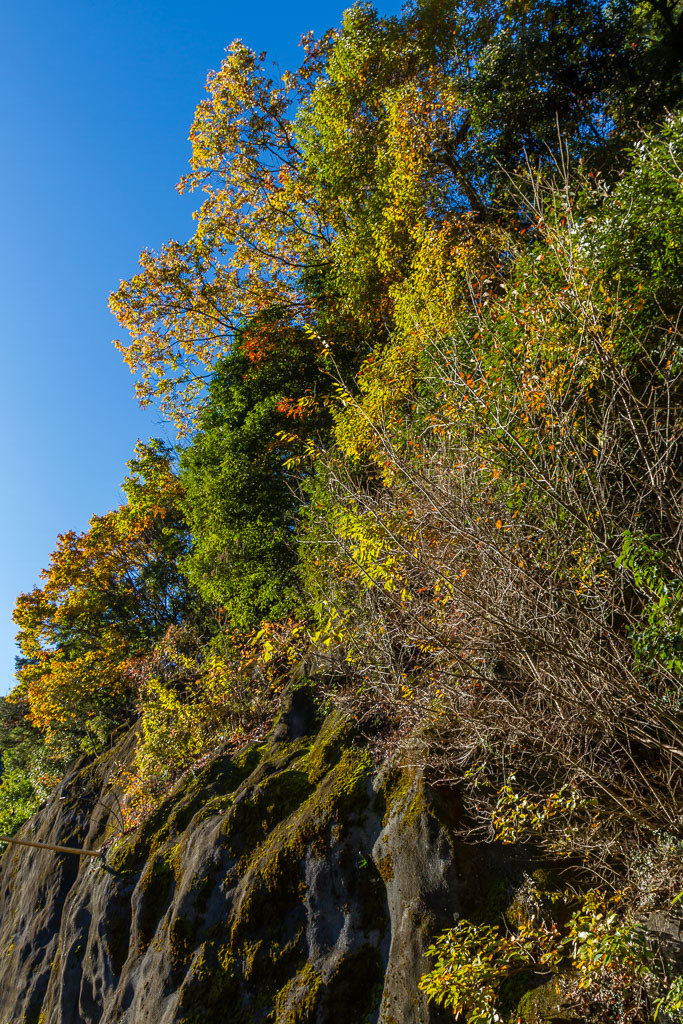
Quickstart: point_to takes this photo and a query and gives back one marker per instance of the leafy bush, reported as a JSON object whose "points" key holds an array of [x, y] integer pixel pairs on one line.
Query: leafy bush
{"points": [[196, 696], [29, 768], [601, 963], [18, 800]]}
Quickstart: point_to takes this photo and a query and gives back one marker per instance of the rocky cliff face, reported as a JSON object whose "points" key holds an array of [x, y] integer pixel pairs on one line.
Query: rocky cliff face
{"points": [[291, 883]]}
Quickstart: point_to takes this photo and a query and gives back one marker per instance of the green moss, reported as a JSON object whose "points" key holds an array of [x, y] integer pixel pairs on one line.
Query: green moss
{"points": [[181, 941], [296, 1003], [121, 858], [279, 801], [213, 807], [273, 892], [275, 864], [350, 783], [154, 832], [328, 747], [203, 795], [385, 866], [417, 807], [250, 819], [275, 963], [260, 968], [176, 855], [156, 888], [211, 990], [249, 954], [247, 758], [395, 786], [220, 778], [201, 886]]}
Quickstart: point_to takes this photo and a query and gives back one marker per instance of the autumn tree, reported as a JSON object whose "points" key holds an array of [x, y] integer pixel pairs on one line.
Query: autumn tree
{"points": [[333, 175], [258, 230], [107, 594]]}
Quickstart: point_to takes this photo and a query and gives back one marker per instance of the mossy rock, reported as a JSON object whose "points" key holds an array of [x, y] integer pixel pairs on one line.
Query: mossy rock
{"points": [[211, 991], [249, 820], [218, 780], [251, 894], [117, 935], [297, 1001], [545, 1005], [273, 867], [329, 746], [155, 891], [404, 793]]}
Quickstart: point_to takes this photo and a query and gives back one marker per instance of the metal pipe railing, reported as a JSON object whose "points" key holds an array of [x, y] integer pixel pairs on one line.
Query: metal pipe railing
{"points": [[48, 846]]}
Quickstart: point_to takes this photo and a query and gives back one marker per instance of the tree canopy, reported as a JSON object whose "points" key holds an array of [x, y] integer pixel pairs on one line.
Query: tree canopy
{"points": [[390, 128], [241, 499]]}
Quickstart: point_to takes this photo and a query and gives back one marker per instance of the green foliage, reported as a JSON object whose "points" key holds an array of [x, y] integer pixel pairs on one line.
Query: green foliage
{"points": [[474, 961], [494, 540], [672, 1001], [197, 695], [635, 238], [602, 942], [427, 334], [389, 130], [593, 70], [241, 500], [658, 637], [600, 963], [28, 769], [517, 818], [18, 800]]}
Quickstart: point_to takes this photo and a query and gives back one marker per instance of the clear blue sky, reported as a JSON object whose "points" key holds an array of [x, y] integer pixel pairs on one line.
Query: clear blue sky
{"points": [[96, 102]]}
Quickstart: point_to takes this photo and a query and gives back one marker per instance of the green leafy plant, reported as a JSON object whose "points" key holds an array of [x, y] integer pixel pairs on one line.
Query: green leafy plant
{"points": [[474, 961], [601, 962]]}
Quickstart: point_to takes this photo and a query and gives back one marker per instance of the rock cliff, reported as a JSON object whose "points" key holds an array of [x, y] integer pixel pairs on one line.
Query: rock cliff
{"points": [[290, 883]]}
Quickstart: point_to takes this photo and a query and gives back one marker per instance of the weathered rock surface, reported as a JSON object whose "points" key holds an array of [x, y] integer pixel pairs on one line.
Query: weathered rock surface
{"points": [[291, 883]]}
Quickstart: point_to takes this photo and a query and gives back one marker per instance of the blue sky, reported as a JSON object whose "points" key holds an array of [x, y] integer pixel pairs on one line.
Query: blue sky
{"points": [[96, 102]]}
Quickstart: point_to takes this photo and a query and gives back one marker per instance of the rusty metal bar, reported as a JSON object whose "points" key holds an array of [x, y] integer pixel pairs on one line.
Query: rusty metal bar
{"points": [[47, 846]]}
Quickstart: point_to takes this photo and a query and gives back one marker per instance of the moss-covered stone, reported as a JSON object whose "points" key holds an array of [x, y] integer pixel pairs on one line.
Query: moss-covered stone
{"points": [[155, 890], [396, 785], [122, 858], [273, 867], [249, 820], [212, 991], [117, 934], [297, 1001], [543, 1005], [251, 895], [385, 866], [328, 747]]}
